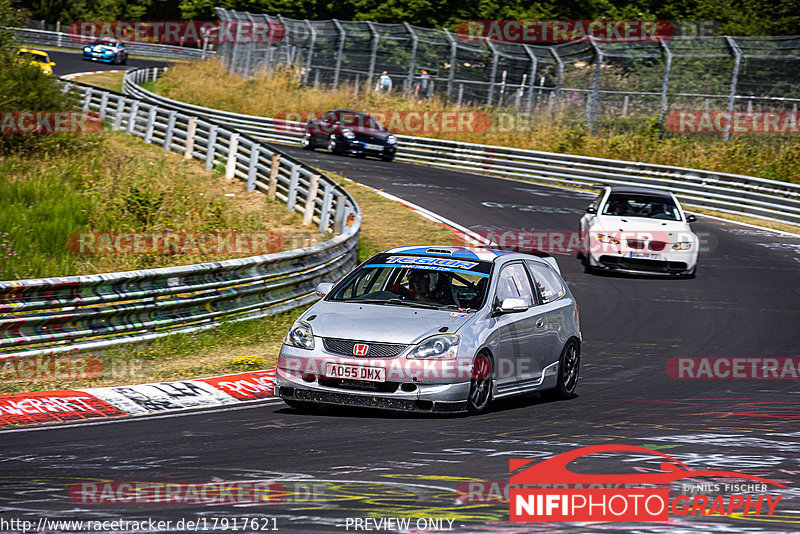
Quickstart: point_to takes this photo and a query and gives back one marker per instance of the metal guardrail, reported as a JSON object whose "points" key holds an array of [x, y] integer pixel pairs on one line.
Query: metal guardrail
{"points": [[726, 193], [63, 314], [69, 40]]}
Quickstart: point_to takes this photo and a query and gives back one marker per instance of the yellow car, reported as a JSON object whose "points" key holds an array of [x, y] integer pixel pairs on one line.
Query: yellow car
{"points": [[37, 58]]}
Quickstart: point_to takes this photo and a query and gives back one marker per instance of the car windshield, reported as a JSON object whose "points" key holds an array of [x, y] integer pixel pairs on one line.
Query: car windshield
{"points": [[360, 120], [650, 207], [418, 281], [104, 42], [32, 56]]}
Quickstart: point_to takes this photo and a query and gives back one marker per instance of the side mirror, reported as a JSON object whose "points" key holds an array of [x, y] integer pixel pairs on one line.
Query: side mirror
{"points": [[591, 209], [691, 218], [52, 63], [323, 289], [512, 305]]}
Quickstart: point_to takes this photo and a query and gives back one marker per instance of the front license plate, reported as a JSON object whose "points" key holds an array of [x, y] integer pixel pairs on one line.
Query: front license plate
{"points": [[368, 146], [645, 255], [355, 372]]}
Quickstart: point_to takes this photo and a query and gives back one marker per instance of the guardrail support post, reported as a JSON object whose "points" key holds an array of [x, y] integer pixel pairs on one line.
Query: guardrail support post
{"points": [[291, 194], [119, 112], [255, 153], [273, 176], [211, 146], [87, 99], [233, 148], [338, 217], [173, 115], [103, 105], [132, 116], [325, 214], [311, 200], [191, 130], [151, 122]]}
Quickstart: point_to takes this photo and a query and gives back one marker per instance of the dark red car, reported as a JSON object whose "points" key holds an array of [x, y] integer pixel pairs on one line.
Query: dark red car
{"points": [[344, 131]]}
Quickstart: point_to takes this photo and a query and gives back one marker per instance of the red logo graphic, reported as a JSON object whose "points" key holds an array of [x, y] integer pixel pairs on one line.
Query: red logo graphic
{"points": [[618, 504], [360, 349]]}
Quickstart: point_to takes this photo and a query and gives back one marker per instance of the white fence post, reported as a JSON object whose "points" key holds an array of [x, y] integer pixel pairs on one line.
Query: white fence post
{"points": [[233, 148], [311, 200], [191, 130], [273, 176]]}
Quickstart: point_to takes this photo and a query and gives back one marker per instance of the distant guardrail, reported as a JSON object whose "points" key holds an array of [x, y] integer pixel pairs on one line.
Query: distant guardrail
{"points": [[69, 40], [73, 313], [726, 193]]}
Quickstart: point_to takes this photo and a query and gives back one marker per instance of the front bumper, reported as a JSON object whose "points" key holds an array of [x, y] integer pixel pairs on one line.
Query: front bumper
{"points": [[401, 392], [354, 146], [102, 59]]}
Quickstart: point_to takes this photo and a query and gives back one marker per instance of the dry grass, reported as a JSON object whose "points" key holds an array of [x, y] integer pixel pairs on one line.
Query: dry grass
{"points": [[208, 84], [111, 81], [386, 223]]}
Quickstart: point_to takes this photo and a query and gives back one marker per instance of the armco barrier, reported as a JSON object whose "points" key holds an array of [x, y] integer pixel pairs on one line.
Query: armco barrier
{"points": [[69, 40], [54, 315], [727, 193]]}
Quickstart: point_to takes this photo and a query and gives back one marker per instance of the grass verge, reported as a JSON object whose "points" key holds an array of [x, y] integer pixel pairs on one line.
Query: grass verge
{"points": [[105, 80]]}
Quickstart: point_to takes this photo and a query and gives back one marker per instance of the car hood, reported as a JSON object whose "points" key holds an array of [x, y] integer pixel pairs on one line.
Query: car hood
{"points": [[641, 224], [369, 132], [381, 323]]}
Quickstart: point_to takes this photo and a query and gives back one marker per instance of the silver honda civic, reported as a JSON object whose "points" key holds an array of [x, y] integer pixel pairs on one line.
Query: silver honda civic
{"points": [[434, 329]]}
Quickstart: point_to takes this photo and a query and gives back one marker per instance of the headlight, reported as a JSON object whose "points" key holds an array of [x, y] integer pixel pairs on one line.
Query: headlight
{"points": [[348, 134], [438, 347], [87, 49], [391, 139], [607, 238], [682, 245], [300, 336]]}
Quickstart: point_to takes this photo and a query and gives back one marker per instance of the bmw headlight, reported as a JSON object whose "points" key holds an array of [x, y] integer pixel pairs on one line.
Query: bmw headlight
{"points": [[87, 49], [300, 336], [437, 347], [607, 238], [391, 139], [682, 245], [348, 134]]}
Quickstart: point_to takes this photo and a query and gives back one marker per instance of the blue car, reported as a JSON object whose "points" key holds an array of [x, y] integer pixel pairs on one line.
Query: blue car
{"points": [[107, 51]]}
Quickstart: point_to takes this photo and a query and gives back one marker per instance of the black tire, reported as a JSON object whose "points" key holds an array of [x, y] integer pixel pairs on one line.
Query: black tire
{"points": [[569, 365], [480, 395], [308, 142], [124, 60], [333, 144], [387, 158], [302, 406]]}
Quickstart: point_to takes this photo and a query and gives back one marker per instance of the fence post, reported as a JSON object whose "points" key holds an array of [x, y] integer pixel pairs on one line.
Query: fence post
{"points": [[118, 113], [325, 214], [560, 74], [273, 176], [412, 64], [594, 96], [294, 181], [233, 148], [662, 105], [460, 94], [211, 148], [191, 129], [451, 75], [173, 115], [311, 200], [310, 51], [87, 100], [493, 71], [737, 59], [285, 39], [531, 77], [151, 123], [255, 150], [342, 37], [373, 54]]}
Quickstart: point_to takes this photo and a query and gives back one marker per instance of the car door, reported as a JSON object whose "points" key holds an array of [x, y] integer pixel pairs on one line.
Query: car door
{"points": [[518, 334], [550, 290]]}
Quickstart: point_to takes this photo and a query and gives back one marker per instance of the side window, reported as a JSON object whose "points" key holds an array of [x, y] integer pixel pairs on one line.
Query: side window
{"points": [[596, 203], [547, 282], [513, 282]]}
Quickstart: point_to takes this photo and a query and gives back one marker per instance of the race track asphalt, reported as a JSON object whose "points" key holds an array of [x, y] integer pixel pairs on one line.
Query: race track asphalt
{"points": [[339, 464]]}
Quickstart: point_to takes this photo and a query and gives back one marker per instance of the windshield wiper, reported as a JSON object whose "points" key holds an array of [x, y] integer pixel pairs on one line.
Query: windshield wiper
{"points": [[410, 304]]}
